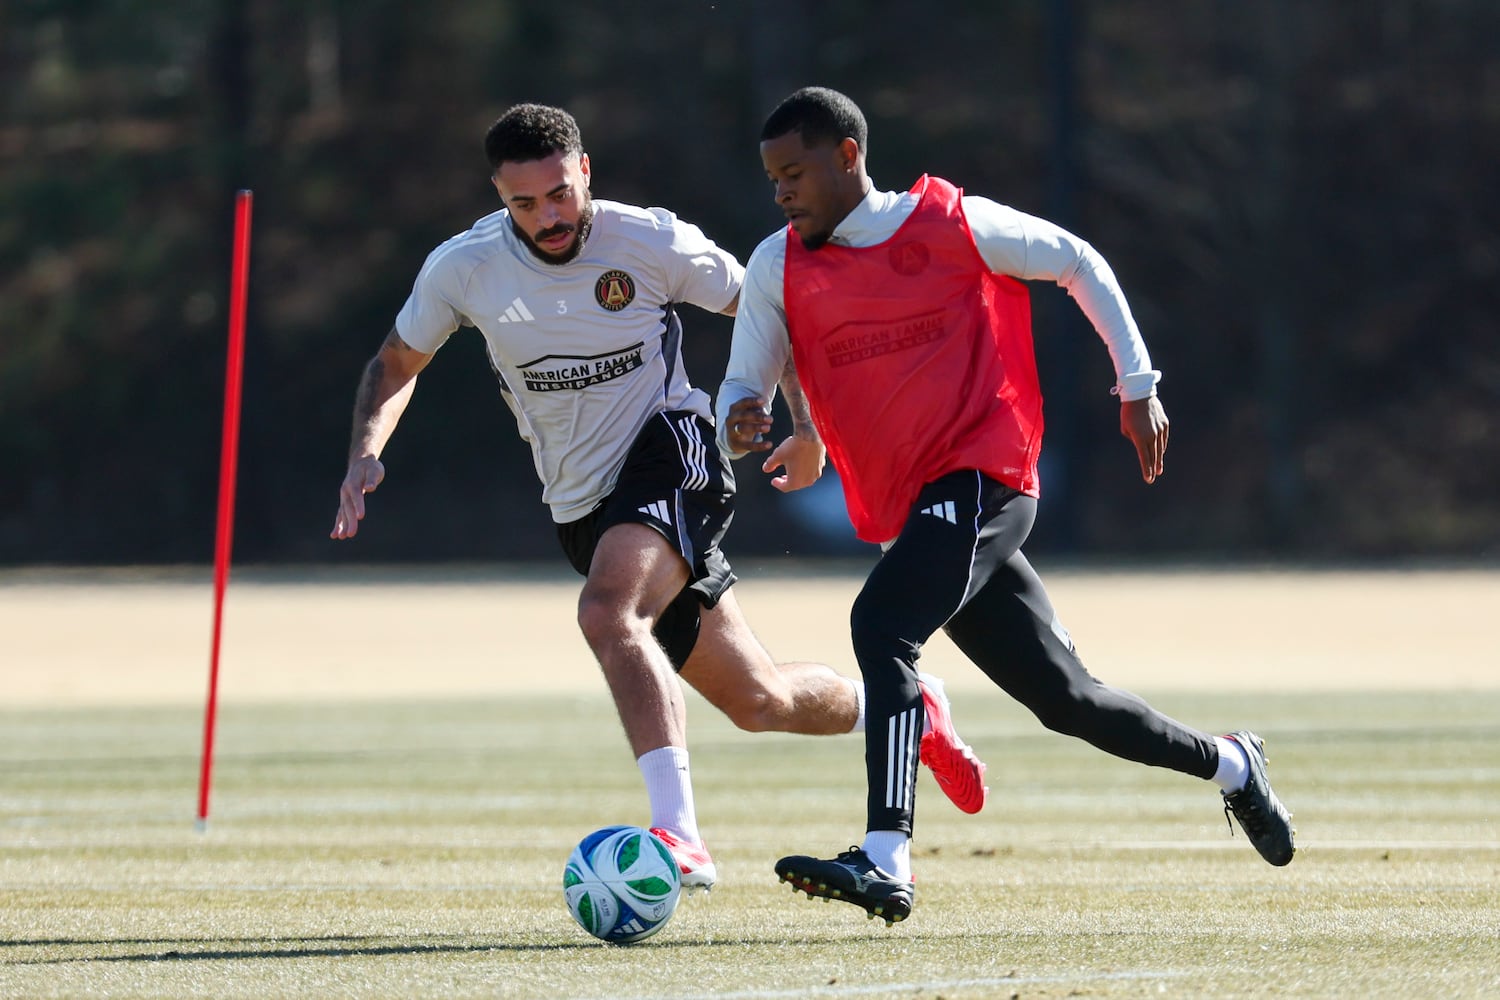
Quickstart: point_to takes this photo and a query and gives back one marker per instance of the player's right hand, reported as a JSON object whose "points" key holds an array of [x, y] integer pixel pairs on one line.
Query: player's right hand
{"points": [[363, 476]]}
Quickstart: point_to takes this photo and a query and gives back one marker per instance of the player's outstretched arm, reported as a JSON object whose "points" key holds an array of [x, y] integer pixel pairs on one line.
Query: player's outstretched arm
{"points": [[384, 390]]}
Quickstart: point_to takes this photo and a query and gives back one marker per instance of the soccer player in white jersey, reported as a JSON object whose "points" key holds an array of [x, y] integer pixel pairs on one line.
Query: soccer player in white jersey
{"points": [[911, 338], [577, 301]]}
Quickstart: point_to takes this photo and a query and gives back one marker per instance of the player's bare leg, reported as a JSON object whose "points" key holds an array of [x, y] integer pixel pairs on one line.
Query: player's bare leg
{"points": [[635, 574], [731, 669]]}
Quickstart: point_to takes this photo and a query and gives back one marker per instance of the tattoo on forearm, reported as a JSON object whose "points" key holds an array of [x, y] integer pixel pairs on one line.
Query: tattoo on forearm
{"points": [[364, 396], [796, 403], [364, 405]]}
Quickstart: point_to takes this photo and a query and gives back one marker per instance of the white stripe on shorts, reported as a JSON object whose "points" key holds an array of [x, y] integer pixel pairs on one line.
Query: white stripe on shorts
{"points": [[694, 455]]}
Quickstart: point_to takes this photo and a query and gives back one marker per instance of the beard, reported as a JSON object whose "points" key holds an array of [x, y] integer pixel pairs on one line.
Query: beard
{"points": [[814, 241], [584, 227]]}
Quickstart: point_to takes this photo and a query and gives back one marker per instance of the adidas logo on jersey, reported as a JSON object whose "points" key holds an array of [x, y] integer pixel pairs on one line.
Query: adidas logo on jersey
{"points": [[517, 313], [657, 509], [945, 511]]}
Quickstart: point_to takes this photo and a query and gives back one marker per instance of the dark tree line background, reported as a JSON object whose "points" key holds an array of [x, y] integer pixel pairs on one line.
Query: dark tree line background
{"points": [[1300, 200]]}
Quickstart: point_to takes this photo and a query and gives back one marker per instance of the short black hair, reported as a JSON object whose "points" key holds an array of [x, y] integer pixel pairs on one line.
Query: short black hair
{"points": [[821, 115], [531, 132]]}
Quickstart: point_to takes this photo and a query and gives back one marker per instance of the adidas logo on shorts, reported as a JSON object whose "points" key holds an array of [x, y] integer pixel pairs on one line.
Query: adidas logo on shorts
{"points": [[945, 511], [657, 509]]}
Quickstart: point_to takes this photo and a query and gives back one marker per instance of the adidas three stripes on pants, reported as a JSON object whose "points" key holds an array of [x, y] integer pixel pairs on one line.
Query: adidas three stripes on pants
{"points": [[957, 565]]}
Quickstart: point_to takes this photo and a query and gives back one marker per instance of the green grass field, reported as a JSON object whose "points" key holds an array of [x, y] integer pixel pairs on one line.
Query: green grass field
{"points": [[407, 848]]}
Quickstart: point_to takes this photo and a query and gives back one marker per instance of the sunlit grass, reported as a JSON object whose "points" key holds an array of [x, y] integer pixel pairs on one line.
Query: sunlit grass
{"points": [[416, 849]]}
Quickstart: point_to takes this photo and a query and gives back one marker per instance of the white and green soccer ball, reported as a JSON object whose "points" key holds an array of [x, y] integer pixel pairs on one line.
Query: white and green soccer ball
{"points": [[621, 884]]}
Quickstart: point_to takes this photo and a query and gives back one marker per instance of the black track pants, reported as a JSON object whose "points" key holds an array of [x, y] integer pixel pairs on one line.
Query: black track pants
{"points": [[957, 565]]}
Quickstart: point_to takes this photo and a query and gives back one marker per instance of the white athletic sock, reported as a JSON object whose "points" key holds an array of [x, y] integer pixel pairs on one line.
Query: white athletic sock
{"points": [[1234, 766], [891, 850], [859, 697], [669, 787]]}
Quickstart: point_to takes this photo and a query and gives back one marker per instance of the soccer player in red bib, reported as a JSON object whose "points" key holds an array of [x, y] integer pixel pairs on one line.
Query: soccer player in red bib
{"points": [[907, 321]]}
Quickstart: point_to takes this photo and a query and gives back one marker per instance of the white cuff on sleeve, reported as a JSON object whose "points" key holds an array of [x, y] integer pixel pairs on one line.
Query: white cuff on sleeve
{"points": [[1136, 385]]}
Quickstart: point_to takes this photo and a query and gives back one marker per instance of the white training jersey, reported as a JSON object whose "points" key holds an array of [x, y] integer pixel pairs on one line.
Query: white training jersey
{"points": [[586, 352]]}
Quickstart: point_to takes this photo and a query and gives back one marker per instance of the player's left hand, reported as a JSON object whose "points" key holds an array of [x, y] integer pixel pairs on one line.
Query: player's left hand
{"points": [[1145, 423], [803, 460]]}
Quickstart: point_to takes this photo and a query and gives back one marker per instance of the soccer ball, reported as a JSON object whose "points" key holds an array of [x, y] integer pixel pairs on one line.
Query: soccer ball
{"points": [[621, 884]]}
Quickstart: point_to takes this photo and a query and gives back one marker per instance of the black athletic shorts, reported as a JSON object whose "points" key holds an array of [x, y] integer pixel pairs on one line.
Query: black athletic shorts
{"points": [[676, 481]]}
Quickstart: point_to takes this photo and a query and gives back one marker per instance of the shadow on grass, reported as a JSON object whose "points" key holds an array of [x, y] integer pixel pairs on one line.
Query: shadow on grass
{"points": [[318, 947]]}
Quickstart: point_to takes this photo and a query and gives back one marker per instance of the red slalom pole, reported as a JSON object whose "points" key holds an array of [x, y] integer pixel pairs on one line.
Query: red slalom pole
{"points": [[228, 462]]}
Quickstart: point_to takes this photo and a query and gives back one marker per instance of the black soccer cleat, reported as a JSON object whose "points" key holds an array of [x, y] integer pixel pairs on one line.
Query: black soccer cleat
{"points": [[851, 878], [1261, 814]]}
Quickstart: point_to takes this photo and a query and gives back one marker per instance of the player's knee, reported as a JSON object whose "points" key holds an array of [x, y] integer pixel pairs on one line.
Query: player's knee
{"points": [[867, 627], [1064, 709], [865, 618], [1056, 715], [875, 641], [604, 622]]}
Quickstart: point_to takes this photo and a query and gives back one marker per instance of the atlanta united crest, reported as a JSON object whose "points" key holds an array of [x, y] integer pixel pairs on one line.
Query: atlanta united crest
{"points": [[614, 290]]}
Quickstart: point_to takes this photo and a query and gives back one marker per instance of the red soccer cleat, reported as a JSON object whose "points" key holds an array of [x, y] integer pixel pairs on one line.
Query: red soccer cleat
{"points": [[698, 871], [959, 773]]}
